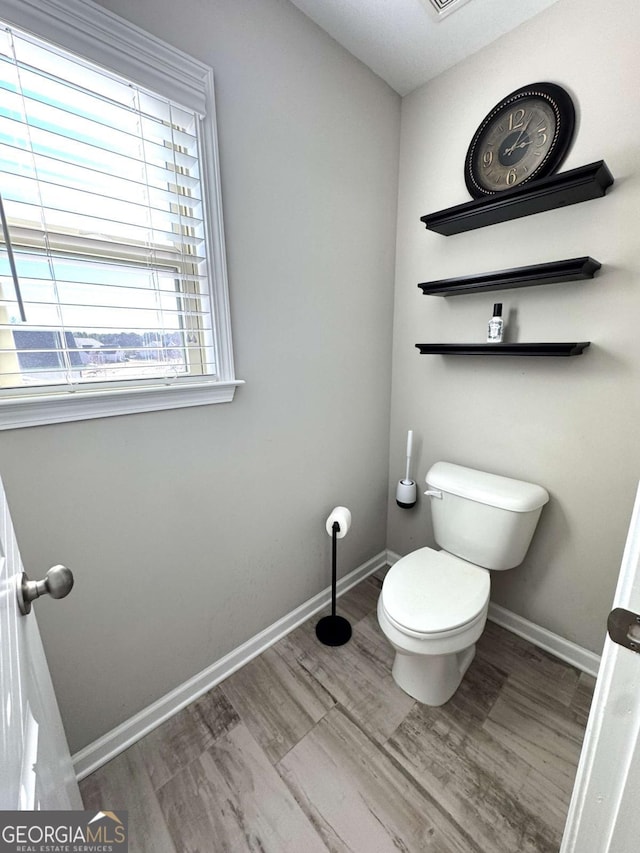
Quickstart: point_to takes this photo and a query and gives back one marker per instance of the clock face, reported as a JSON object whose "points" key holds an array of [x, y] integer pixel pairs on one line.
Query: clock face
{"points": [[525, 136]]}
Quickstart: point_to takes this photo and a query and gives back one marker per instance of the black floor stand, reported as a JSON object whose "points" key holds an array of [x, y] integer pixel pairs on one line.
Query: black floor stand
{"points": [[333, 630]]}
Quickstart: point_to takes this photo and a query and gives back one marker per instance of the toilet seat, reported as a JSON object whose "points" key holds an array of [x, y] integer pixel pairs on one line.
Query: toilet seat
{"points": [[432, 592]]}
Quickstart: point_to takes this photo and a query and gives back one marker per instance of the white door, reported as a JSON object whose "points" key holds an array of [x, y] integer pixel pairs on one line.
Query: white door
{"points": [[36, 766], [603, 815]]}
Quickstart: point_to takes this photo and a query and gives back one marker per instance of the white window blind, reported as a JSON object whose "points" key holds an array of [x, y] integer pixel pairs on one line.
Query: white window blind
{"points": [[107, 250]]}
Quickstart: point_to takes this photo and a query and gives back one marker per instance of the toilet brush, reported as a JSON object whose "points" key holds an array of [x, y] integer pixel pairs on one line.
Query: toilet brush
{"points": [[406, 493]]}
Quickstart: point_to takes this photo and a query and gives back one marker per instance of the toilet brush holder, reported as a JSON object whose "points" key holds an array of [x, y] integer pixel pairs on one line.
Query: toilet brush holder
{"points": [[406, 494], [333, 630]]}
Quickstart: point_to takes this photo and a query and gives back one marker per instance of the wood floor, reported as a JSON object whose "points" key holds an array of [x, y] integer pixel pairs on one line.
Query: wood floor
{"points": [[309, 748]]}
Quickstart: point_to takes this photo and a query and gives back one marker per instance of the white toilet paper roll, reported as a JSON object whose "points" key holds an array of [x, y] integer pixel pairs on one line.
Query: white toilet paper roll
{"points": [[342, 515]]}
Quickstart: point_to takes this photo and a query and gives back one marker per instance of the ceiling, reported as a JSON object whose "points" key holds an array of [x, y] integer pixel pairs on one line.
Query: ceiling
{"points": [[406, 43]]}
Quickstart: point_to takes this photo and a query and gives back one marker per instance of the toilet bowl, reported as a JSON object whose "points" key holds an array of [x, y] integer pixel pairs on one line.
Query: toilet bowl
{"points": [[432, 609], [434, 603]]}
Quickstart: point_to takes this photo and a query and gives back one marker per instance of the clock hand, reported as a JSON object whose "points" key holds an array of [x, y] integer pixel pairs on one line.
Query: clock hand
{"points": [[512, 148], [515, 145]]}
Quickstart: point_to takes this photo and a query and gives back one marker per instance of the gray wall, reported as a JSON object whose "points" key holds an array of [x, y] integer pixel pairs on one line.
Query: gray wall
{"points": [[189, 531], [572, 424]]}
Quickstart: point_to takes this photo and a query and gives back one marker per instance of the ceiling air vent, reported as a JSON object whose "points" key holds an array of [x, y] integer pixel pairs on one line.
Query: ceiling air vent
{"points": [[444, 7]]}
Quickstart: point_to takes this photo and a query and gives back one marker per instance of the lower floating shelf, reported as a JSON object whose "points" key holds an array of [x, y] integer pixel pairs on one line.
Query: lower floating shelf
{"points": [[548, 349]]}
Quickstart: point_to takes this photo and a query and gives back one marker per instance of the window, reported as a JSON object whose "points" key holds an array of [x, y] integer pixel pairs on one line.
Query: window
{"points": [[113, 290]]}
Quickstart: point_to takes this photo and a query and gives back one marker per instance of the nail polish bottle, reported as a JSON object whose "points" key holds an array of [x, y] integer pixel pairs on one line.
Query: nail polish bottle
{"points": [[495, 332]]}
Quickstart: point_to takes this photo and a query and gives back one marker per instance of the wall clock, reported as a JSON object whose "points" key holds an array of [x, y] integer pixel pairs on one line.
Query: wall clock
{"points": [[525, 136]]}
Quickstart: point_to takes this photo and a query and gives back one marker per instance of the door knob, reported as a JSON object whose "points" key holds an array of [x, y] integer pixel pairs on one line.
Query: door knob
{"points": [[624, 628], [57, 583]]}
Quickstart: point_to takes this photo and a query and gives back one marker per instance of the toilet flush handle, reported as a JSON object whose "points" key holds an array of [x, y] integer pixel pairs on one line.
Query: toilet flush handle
{"points": [[433, 493]]}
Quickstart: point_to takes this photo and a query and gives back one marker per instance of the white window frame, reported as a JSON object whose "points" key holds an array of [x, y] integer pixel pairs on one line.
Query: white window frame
{"points": [[89, 31]]}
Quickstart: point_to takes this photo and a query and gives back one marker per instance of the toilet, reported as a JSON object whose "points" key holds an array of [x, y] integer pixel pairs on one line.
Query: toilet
{"points": [[434, 603]]}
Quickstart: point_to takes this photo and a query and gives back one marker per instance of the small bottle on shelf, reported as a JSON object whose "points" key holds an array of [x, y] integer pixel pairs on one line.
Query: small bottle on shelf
{"points": [[495, 332]]}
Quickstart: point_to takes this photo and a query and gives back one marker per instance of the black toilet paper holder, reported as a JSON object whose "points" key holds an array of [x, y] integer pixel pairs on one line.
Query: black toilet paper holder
{"points": [[333, 630]]}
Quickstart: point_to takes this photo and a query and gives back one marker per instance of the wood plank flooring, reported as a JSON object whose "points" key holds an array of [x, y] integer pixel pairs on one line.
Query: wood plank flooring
{"points": [[310, 748]]}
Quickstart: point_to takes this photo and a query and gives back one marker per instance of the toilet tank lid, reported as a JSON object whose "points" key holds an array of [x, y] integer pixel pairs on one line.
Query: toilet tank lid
{"points": [[490, 489]]}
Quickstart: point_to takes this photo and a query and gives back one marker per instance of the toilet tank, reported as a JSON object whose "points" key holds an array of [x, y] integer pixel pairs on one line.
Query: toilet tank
{"points": [[483, 518]]}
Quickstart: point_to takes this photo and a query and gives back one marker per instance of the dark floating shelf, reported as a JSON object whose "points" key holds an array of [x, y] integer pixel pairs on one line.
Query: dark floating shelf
{"points": [[546, 349], [574, 269], [576, 185]]}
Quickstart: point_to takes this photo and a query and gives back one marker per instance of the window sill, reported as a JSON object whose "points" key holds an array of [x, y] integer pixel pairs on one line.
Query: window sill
{"points": [[85, 405]]}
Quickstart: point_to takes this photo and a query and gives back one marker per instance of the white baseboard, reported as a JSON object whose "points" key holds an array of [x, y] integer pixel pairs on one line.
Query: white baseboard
{"points": [[556, 645], [117, 740]]}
